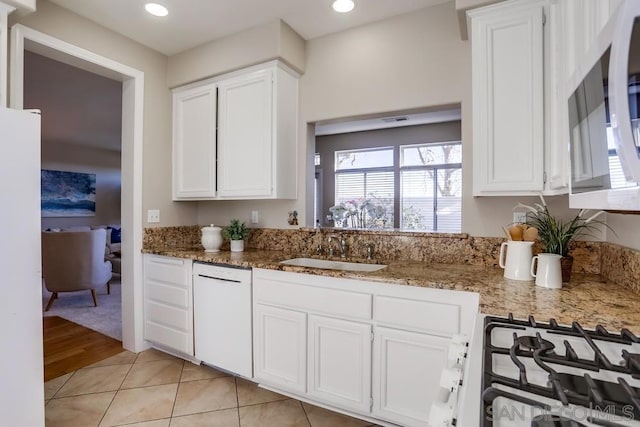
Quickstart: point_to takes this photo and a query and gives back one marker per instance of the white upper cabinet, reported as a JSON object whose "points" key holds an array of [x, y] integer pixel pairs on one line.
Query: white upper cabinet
{"points": [[508, 97], [254, 154], [582, 20], [244, 126], [523, 52], [194, 143]]}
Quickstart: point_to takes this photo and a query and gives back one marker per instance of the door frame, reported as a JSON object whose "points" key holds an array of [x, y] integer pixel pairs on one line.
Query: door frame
{"points": [[131, 160]]}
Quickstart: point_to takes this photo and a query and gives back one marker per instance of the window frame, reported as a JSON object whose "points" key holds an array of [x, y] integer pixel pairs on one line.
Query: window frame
{"points": [[397, 168]]}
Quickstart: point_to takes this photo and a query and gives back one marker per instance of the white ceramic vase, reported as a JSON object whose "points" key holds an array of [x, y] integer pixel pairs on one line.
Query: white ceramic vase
{"points": [[237, 245], [547, 270], [515, 258], [211, 238]]}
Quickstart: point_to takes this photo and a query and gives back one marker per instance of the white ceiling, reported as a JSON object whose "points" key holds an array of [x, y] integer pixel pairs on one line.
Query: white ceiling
{"points": [[194, 22]]}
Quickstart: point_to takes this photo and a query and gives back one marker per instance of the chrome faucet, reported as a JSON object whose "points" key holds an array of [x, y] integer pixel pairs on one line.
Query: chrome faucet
{"points": [[342, 244], [369, 248]]}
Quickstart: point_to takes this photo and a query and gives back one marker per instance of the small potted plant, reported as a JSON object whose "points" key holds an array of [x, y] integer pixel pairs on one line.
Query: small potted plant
{"points": [[236, 232], [556, 235]]}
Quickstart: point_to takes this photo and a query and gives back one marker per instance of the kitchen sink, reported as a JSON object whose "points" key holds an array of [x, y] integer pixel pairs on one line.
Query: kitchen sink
{"points": [[333, 265]]}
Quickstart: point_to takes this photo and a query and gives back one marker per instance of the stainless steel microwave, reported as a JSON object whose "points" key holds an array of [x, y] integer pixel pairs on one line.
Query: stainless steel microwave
{"points": [[604, 118]]}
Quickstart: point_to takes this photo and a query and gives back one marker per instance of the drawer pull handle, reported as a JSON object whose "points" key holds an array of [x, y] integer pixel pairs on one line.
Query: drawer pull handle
{"points": [[220, 278]]}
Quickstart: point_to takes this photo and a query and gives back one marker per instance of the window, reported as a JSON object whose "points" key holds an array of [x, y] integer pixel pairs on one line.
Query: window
{"points": [[412, 187], [431, 187], [365, 188]]}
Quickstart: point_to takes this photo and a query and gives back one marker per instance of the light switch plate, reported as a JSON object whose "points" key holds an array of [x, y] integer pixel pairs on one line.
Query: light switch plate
{"points": [[153, 216], [519, 217]]}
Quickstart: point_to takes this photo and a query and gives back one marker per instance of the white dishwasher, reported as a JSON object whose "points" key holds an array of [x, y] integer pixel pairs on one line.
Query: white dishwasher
{"points": [[222, 317]]}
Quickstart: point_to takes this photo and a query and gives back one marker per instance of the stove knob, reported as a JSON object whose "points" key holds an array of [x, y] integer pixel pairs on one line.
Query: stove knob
{"points": [[441, 415], [456, 354], [450, 379], [460, 339]]}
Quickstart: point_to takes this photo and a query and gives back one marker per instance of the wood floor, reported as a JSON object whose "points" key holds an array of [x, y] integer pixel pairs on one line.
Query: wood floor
{"points": [[69, 347]]}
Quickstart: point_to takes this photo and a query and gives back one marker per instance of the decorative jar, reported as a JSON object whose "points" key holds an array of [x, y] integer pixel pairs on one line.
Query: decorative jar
{"points": [[211, 238]]}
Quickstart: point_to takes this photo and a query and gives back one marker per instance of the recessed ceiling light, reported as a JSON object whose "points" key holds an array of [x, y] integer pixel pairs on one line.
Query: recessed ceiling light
{"points": [[343, 6], [156, 9]]}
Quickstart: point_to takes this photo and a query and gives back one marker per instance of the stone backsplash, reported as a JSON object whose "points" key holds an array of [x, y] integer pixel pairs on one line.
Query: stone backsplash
{"points": [[387, 245], [179, 237], [620, 265]]}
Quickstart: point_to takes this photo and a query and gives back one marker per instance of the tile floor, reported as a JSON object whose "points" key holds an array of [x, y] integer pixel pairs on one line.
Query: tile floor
{"points": [[154, 389]]}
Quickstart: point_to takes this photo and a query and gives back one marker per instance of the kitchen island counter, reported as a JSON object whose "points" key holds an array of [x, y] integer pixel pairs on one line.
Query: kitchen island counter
{"points": [[586, 299]]}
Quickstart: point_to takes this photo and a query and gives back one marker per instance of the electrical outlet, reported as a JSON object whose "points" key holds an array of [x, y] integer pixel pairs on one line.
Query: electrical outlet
{"points": [[254, 217], [153, 216], [519, 217]]}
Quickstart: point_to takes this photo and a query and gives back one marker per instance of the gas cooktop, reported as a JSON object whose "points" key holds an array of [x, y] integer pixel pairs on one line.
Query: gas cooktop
{"points": [[545, 374]]}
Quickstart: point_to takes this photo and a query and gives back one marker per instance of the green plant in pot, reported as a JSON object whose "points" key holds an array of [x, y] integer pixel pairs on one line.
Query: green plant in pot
{"points": [[556, 235], [236, 232]]}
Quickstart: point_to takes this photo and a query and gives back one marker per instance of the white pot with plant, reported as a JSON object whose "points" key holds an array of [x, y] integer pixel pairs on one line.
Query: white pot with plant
{"points": [[556, 235], [236, 232]]}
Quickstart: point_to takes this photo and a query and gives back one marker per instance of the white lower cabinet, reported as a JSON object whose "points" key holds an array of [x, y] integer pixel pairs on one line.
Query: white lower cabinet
{"points": [[340, 362], [406, 374], [280, 347], [371, 349], [168, 302]]}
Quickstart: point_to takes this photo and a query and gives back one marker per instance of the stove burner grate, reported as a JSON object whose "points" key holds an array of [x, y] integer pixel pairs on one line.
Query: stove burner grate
{"points": [[632, 362], [529, 343], [582, 391], [548, 420]]}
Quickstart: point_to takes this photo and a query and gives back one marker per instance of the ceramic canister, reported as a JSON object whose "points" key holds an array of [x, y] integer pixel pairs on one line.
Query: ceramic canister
{"points": [[515, 258], [211, 238]]}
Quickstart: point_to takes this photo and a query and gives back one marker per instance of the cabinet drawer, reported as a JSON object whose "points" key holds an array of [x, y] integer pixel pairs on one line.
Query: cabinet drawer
{"points": [[437, 318], [170, 316], [313, 299], [167, 294], [178, 340], [169, 270]]}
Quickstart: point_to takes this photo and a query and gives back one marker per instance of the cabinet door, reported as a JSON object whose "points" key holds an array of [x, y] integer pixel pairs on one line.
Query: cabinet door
{"points": [[194, 143], [406, 374], [280, 347], [245, 157], [340, 362], [168, 302], [508, 88]]}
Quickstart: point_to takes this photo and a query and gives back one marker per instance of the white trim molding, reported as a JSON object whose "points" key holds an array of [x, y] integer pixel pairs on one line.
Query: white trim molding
{"points": [[5, 10], [132, 141]]}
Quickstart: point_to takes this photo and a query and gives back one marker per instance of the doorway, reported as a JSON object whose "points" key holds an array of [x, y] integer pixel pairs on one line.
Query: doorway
{"points": [[24, 38]]}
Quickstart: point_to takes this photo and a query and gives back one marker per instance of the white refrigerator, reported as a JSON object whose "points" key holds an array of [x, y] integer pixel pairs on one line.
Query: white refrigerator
{"points": [[21, 360]]}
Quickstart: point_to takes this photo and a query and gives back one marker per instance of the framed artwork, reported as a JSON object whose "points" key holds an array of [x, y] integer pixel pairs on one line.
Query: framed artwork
{"points": [[67, 194]]}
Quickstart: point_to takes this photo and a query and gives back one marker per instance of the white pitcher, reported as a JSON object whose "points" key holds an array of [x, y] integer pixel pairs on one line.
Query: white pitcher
{"points": [[211, 238], [515, 258], [548, 273]]}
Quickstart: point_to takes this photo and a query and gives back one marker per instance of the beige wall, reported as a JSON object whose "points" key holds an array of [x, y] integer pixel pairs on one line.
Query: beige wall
{"points": [[105, 164], [625, 230], [72, 28], [411, 61], [259, 44]]}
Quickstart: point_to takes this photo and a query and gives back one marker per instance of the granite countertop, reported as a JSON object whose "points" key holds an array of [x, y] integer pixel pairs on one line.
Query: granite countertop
{"points": [[585, 299]]}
